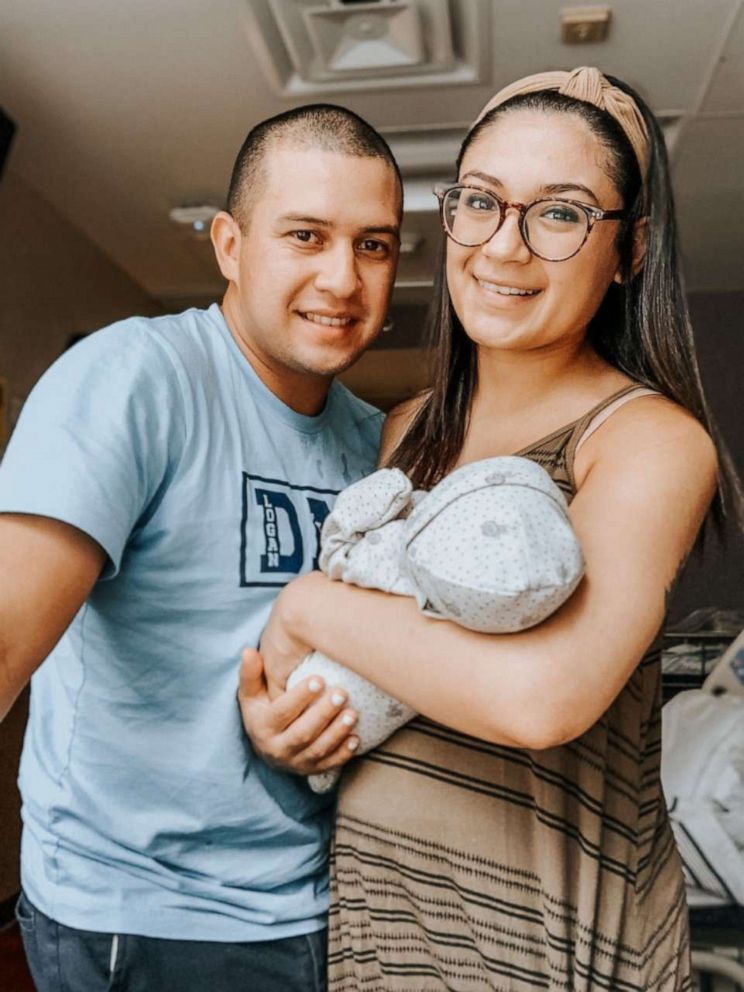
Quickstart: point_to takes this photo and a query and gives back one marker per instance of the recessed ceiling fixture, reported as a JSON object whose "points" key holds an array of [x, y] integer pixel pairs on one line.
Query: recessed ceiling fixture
{"points": [[372, 38], [195, 221], [318, 46]]}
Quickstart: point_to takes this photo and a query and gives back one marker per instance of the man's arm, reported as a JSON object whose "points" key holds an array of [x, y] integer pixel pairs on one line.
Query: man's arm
{"points": [[47, 570]]}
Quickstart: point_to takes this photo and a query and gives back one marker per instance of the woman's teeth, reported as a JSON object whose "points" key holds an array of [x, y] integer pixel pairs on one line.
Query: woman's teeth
{"points": [[317, 318], [494, 287]]}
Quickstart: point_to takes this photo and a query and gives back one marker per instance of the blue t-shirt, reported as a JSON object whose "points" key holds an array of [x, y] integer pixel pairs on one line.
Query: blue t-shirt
{"points": [[145, 810]]}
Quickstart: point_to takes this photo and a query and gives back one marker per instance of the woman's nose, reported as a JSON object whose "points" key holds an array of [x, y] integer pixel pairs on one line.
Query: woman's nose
{"points": [[507, 243]]}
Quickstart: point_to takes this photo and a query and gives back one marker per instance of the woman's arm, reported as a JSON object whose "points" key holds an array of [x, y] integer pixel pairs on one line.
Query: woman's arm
{"points": [[649, 477]]}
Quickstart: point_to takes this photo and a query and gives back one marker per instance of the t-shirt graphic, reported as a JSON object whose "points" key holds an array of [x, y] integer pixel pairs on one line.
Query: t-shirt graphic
{"points": [[291, 517]]}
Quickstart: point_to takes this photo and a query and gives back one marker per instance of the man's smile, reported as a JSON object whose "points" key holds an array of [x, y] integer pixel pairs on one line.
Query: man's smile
{"points": [[327, 319]]}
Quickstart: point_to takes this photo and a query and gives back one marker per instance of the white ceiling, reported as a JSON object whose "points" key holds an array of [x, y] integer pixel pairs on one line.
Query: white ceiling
{"points": [[126, 109]]}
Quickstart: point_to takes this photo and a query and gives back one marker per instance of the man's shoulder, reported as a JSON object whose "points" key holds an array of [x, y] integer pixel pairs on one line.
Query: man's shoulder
{"points": [[164, 352], [151, 358], [169, 334]]}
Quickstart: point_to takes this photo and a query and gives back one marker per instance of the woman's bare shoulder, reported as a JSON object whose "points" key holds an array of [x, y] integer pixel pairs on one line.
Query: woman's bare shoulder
{"points": [[398, 420], [656, 428]]}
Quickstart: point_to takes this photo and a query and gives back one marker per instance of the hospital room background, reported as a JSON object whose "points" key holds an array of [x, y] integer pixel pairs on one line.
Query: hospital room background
{"points": [[119, 123]]}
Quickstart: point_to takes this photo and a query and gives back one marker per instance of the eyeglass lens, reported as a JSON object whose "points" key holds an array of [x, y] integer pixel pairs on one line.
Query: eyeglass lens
{"points": [[553, 229]]}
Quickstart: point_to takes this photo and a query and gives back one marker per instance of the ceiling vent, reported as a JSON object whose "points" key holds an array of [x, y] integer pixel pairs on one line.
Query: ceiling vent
{"points": [[309, 47]]}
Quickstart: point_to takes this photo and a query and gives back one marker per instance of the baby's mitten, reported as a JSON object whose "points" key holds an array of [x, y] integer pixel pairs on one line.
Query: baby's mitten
{"points": [[362, 537]]}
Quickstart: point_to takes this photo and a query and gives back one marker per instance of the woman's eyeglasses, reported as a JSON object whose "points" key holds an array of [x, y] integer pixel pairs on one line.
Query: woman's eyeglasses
{"points": [[553, 229]]}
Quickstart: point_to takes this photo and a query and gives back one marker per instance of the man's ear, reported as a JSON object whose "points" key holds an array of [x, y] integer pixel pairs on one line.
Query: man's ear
{"points": [[640, 244], [226, 237]]}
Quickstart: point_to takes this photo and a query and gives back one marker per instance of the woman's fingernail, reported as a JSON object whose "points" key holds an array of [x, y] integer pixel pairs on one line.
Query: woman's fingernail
{"points": [[348, 719], [315, 685], [352, 743], [338, 699]]}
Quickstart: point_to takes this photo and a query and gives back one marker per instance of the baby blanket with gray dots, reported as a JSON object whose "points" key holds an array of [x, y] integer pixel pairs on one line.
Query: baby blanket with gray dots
{"points": [[490, 547]]}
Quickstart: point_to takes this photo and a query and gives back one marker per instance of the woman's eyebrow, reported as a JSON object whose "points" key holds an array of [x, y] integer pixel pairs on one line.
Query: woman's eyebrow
{"points": [[551, 188], [483, 176], [570, 188]]}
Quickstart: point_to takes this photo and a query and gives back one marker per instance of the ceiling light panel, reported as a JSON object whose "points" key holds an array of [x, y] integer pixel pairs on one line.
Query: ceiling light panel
{"points": [[368, 37], [310, 46]]}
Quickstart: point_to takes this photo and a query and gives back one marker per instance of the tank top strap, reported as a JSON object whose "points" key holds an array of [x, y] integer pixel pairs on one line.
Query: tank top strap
{"points": [[594, 418], [557, 451]]}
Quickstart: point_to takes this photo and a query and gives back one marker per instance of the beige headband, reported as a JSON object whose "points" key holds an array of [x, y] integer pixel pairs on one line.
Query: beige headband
{"points": [[588, 84]]}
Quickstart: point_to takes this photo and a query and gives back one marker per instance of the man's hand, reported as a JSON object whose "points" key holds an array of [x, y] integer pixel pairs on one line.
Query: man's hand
{"points": [[306, 730]]}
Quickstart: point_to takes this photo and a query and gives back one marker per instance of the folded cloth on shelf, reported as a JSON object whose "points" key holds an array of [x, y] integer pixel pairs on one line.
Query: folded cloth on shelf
{"points": [[702, 772], [490, 547], [728, 674]]}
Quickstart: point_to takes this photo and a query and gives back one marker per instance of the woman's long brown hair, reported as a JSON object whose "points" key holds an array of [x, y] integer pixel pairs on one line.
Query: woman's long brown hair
{"points": [[642, 326]]}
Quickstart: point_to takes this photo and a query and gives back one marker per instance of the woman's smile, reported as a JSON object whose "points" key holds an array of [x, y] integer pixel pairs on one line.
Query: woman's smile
{"points": [[503, 293]]}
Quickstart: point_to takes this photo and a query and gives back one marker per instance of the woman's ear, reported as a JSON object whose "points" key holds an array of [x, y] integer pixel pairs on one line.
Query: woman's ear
{"points": [[226, 237], [640, 244]]}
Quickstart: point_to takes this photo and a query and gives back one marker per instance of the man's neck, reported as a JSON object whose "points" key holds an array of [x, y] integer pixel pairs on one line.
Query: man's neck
{"points": [[302, 392]]}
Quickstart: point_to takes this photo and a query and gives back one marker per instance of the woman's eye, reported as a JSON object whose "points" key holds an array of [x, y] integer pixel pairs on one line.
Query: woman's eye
{"points": [[561, 212], [477, 201]]}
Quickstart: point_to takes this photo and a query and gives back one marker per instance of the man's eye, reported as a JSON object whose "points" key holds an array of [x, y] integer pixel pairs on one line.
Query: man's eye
{"points": [[374, 247], [306, 237]]}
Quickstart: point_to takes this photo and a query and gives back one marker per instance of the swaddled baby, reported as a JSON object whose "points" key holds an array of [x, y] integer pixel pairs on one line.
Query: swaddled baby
{"points": [[490, 547]]}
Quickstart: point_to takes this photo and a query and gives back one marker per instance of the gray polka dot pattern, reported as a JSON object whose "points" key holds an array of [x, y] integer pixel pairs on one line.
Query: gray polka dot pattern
{"points": [[490, 547], [498, 545]]}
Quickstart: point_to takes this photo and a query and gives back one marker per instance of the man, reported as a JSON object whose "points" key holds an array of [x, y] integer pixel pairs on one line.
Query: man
{"points": [[166, 479]]}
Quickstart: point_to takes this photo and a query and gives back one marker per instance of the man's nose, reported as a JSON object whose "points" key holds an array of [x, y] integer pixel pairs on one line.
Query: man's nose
{"points": [[338, 272], [507, 243]]}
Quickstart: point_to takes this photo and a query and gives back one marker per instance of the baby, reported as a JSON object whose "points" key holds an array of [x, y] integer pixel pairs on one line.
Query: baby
{"points": [[490, 547]]}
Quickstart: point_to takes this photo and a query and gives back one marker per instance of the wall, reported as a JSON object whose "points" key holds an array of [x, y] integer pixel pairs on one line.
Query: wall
{"points": [[716, 577], [54, 283]]}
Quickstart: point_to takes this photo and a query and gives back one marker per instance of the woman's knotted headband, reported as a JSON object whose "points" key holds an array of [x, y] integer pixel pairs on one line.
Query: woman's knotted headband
{"points": [[588, 84]]}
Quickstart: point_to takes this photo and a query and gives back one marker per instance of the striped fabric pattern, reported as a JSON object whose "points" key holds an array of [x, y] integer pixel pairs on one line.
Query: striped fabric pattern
{"points": [[472, 867]]}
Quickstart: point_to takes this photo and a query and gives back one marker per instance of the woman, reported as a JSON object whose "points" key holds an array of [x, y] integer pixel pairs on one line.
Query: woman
{"points": [[521, 840]]}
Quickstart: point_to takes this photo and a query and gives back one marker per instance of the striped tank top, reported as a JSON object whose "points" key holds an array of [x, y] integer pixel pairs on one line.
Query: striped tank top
{"points": [[474, 867]]}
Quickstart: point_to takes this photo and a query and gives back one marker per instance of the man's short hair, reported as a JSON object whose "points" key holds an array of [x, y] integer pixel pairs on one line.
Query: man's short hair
{"points": [[321, 126]]}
